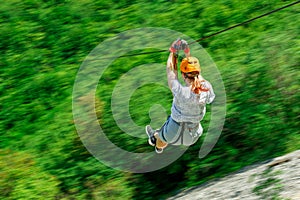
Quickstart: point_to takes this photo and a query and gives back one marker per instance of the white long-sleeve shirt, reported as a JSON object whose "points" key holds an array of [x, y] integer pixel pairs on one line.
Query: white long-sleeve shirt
{"points": [[188, 106]]}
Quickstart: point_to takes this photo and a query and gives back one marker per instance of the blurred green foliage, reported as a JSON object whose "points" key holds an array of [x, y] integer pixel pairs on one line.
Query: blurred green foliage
{"points": [[42, 44]]}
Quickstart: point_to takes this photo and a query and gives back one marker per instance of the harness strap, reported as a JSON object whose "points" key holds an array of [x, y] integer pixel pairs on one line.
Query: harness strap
{"points": [[180, 136]]}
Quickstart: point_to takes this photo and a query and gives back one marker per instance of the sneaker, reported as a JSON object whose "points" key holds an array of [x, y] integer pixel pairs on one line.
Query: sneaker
{"points": [[158, 150], [150, 132]]}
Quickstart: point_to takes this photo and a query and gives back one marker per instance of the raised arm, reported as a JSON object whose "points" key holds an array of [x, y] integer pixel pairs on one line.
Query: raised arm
{"points": [[172, 73]]}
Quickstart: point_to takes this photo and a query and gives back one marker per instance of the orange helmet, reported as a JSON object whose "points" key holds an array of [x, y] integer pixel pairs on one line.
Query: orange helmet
{"points": [[190, 64]]}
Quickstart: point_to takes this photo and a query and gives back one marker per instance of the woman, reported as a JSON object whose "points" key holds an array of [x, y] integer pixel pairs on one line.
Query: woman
{"points": [[189, 102]]}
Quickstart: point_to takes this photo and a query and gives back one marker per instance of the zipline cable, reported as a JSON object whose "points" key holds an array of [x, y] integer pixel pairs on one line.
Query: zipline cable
{"points": [[221, 31], [247, 21]]}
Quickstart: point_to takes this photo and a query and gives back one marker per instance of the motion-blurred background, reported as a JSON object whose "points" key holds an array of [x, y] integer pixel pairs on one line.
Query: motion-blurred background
{"points": [[43, 44]]}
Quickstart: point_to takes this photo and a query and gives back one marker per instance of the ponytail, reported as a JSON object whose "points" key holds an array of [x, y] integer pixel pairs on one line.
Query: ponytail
{"points": [[198, 85]]}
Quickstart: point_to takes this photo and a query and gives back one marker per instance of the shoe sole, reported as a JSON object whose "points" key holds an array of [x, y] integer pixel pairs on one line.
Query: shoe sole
{"points": [[158, 150], [150, 142]]}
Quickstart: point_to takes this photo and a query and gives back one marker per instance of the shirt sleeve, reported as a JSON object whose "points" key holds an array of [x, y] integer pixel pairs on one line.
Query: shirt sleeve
{"points": [[210, 93], [175, 87], [173, 81]]}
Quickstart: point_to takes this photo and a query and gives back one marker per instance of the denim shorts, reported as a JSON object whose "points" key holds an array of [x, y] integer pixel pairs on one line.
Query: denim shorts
{"points": [[180, 133]]}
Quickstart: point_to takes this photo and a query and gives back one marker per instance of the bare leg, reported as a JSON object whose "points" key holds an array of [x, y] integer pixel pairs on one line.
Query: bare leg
{"points": [[160, 145]]}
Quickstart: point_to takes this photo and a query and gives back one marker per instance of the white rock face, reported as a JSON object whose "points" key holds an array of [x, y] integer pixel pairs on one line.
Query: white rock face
{"points": [[278, 178]]}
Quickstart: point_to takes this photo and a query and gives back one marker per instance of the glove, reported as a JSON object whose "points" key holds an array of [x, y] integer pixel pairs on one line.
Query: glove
{"points": [[179, 44]]}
